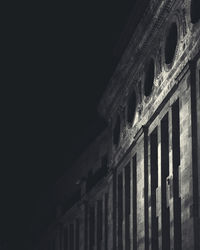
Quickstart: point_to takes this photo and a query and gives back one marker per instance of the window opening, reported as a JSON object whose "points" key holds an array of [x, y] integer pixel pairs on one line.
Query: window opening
{"points": [[154, 186], [149, 78], [134, 178], [120, 211], [164, 174], [131, 108], [176, 169], [116, 131], [195, 11], [171, 43], [127, 206]]}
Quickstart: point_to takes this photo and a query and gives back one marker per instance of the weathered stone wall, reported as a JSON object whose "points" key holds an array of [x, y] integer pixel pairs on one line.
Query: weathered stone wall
{"points": [[157, 204]]}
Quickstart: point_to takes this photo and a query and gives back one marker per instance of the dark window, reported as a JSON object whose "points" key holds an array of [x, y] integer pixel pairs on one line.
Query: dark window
{"points": [[164, 174], [114, 215], [94, 178], [171, 43], [176, 163], [120, 211], [149, 78], [127, 206], [154, 185], [116, 131], [134, 166], [195, 11], [131, 108]]}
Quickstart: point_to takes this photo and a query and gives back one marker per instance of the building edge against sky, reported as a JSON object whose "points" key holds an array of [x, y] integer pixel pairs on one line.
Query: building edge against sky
{"points": [[137, 186]]}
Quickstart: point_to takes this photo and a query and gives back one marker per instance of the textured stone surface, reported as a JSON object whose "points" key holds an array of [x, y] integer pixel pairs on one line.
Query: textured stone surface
{"points": [[178, 81]]}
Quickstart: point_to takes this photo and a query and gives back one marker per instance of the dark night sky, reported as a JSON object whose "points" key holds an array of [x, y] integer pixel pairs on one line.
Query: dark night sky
{"points": [[61, 58]]}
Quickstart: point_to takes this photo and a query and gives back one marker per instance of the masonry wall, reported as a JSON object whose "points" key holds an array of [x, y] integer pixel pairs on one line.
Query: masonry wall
{"points": [[148, 196]]}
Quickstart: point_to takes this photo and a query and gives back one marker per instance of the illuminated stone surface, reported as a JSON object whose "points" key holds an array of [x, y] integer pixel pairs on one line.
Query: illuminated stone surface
{"points": [[171, 108]]}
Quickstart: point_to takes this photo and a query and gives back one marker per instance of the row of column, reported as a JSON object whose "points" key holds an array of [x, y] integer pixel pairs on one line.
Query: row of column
{"points": [[164, 184], [161, 191], [125, 202], [160, 202], [149, 208], [96, 224], [71, 236]]}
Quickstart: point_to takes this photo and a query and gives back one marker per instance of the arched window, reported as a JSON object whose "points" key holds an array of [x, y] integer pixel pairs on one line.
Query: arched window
{"points": [[116, 131], [171, 43], [195, 11], [131, 108], [149, 78]]}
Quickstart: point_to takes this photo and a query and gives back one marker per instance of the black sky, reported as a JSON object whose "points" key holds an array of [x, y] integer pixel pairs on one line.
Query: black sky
{"points": [[61, 57]]}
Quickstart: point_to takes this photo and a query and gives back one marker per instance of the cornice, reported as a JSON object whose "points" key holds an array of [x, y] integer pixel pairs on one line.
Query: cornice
{"points": [[128, 66]]}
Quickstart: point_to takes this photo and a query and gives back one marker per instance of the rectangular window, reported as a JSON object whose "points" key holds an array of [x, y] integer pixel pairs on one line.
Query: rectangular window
{"points": [[127, 206], [176, 133], [154, 185], [164, 174], [106, 221], [77, 234], [92, 227], [99, 224], [66, 239], [120, 211], [176, 163], [134, 178], [71, 236]]}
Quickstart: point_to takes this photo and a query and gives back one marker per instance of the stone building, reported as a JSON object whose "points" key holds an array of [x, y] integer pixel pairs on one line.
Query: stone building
{"points": [[137, 186]]}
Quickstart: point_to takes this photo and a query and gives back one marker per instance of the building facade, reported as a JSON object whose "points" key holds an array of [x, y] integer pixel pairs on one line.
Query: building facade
{"points": [[137, 186]]}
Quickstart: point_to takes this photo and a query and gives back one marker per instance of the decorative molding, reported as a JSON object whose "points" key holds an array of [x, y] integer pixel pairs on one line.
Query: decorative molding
{"points": [[184, 23]]}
